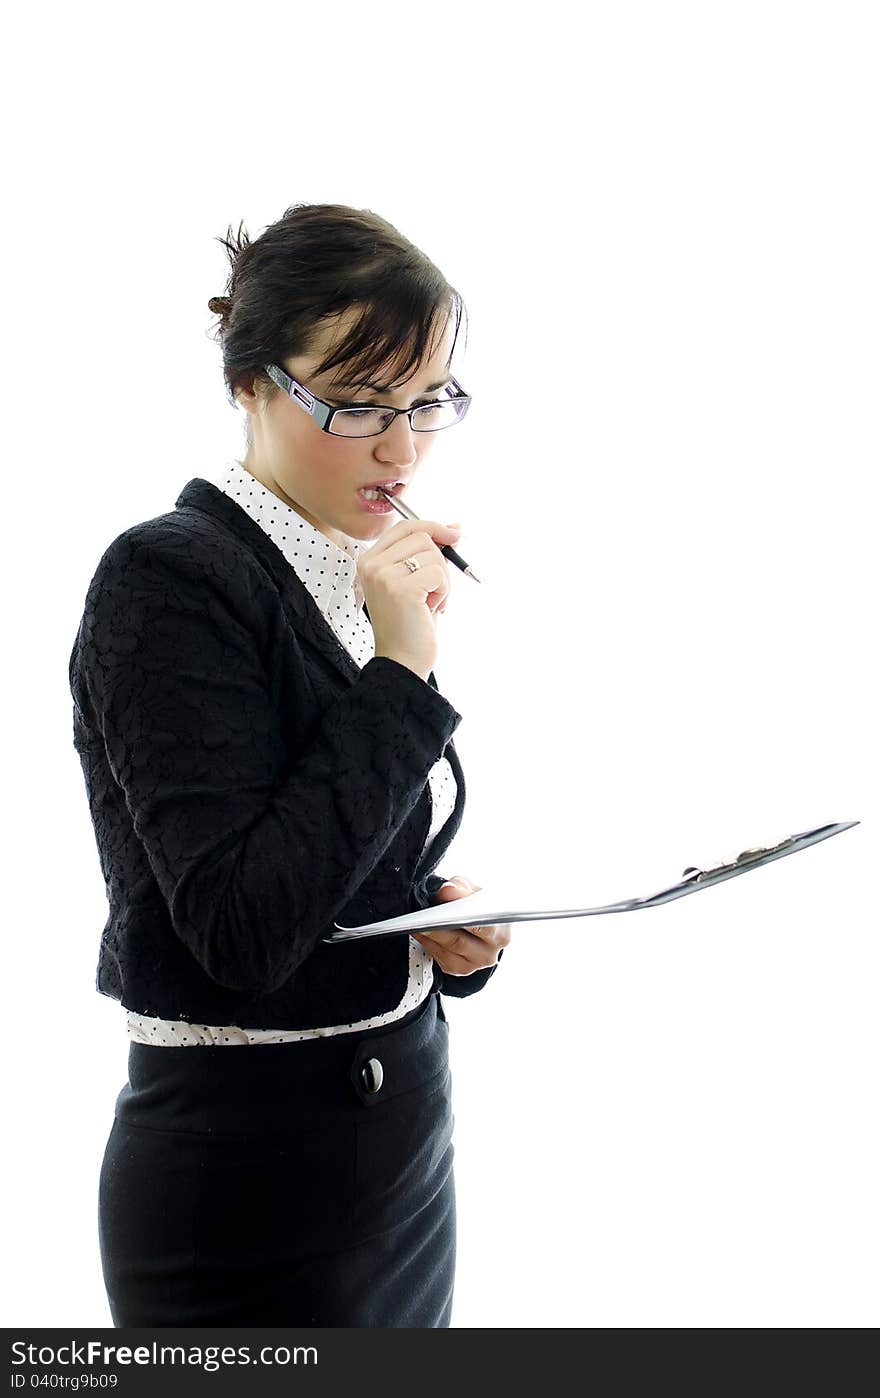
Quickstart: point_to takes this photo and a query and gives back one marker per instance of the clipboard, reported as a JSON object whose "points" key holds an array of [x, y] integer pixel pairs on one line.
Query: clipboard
{"points": [[445, 916]]}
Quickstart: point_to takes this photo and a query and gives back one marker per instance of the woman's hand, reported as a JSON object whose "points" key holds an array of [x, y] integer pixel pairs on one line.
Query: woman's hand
{"points": [[403, 605], [462, 950]]}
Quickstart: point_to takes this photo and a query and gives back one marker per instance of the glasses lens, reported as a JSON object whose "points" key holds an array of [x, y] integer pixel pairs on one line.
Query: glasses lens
{"points": [[366, 422], [433, 416], [359, 422]]}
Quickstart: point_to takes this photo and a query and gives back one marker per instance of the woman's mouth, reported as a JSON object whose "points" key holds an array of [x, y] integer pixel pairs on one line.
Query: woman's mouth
{"points": [[374, 501]]}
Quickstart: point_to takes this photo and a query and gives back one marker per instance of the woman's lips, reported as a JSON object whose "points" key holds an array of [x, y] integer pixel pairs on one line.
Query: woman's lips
{"points": [[379, 506]]}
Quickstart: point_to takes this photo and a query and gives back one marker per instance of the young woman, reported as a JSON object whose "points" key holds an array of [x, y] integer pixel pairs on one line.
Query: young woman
{"points": [[265, 753]]}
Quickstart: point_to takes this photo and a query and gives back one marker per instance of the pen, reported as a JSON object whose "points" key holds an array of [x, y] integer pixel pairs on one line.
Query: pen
{"points": [[447, 550]]}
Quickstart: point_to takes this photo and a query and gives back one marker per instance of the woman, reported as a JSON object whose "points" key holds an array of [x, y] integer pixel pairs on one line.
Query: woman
{"points": [[266, 752]]}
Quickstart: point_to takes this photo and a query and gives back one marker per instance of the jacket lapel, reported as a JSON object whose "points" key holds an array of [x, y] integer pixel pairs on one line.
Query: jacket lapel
{"points": [[299, 604]]}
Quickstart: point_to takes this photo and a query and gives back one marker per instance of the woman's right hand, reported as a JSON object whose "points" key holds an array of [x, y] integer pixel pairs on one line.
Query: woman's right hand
{"points": [[403, 603]]}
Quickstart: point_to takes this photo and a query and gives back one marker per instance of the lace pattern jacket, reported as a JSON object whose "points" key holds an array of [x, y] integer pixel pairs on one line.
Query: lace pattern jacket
{"points": [[248, 783]]}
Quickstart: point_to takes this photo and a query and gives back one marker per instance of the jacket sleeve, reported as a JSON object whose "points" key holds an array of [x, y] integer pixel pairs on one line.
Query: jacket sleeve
{"points": [[457, 986], [254, 854]]}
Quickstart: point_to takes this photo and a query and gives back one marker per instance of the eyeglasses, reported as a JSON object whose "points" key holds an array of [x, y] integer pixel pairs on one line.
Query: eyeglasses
{"points": [[363, 421]]}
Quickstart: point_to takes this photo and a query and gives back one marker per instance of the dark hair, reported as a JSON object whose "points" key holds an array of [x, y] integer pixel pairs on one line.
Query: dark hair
{"points": [[314, 262]]}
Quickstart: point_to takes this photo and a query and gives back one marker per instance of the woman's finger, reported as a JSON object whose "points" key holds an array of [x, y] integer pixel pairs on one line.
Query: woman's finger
{"points": [[467, 942], [450, 960]]}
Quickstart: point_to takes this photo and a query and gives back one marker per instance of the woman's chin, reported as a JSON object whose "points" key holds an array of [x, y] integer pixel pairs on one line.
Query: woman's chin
{"points": [[366, 527]]}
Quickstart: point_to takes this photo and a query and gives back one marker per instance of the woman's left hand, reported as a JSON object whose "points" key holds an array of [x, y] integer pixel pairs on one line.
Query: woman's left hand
{"points": [[462, 950]]}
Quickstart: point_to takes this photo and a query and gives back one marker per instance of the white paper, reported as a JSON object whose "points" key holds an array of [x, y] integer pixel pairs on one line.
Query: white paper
{"points": [[493, 905]]}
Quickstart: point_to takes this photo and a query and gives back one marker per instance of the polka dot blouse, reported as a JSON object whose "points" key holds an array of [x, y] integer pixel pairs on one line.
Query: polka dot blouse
{"points": [[329, 574]]}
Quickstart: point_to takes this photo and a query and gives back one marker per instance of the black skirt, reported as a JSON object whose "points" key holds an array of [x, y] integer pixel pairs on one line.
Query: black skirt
{"points": [[298, 1184]]}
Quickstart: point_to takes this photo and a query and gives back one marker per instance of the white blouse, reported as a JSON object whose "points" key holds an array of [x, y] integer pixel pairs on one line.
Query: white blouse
{"points": [[329, 574]]}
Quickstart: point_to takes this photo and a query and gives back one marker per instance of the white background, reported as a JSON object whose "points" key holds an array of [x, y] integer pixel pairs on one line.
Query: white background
{"points": [[663, 219]]}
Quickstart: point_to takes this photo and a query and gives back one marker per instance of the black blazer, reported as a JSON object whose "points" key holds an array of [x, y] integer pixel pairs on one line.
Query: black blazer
{"points": [[249, 784]]}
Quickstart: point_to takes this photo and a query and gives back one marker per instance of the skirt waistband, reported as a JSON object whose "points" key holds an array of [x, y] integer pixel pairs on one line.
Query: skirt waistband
{"points": [[267, 1088]]}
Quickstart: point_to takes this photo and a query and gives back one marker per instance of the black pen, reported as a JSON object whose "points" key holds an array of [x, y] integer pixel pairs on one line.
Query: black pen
{"points": [[447, 550]]}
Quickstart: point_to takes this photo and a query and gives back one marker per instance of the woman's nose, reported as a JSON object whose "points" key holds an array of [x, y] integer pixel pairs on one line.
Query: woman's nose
{"points": [[397, 443]]}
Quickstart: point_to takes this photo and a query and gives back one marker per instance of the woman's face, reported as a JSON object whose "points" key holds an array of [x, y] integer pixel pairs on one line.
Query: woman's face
{"points": [[319, 474]]}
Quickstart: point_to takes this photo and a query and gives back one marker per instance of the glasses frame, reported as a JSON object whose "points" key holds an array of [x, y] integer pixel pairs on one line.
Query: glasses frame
{"points": [[323, 413]]}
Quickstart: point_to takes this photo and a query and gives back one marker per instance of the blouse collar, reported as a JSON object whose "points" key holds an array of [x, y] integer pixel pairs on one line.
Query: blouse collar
{"points": [[325, 569]]}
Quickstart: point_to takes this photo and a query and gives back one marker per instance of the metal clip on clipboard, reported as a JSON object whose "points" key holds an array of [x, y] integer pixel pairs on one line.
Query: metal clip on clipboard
{"points": [[747, 857], [692, 878]]}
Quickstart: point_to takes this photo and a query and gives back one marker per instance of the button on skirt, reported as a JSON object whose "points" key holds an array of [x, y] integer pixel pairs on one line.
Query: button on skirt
{"points": [[298, 1184]]}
